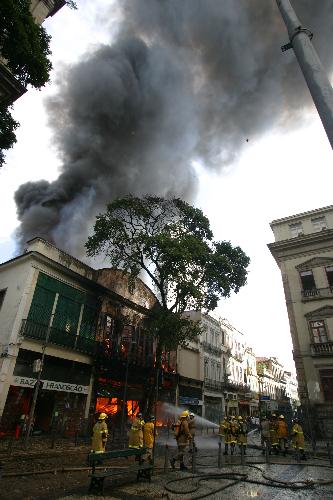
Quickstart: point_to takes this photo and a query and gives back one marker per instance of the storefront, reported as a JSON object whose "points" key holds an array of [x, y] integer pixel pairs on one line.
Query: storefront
{"points": [[190, 395], [62, 397]]}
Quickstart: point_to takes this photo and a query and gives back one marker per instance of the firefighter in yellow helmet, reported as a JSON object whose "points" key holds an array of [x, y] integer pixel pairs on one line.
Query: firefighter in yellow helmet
{"points": [[233, 427], [282, 434], [224, 429], [100, 434], [298, 438], [242, 434], [136, 432], [148, 437], [183, 438]]}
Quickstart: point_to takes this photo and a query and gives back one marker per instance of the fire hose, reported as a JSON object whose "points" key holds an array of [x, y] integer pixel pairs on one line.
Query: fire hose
{"points": [[236, 478]]}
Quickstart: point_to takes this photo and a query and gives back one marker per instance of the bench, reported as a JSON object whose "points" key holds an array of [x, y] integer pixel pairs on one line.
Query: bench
{"points": [[96, 460]]}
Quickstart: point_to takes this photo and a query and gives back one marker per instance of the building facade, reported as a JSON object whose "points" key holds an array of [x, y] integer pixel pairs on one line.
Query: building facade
{"points": [[90, 326], [10, 88], [303, 250]]}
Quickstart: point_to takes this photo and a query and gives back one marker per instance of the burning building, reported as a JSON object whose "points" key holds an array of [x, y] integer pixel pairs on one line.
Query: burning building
{"points": [[89, 326]]}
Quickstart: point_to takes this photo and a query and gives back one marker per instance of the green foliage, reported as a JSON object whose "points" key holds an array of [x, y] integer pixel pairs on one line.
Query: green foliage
{"points": [[172, 242], [71, 4], [24, 44], [7, 131], [172, 329]]}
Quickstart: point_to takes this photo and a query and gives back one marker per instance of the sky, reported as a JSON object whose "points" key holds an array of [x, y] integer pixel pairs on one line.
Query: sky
{"points": [[279, 172]]}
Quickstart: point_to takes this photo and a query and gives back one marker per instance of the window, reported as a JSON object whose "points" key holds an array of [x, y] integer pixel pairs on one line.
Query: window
{"points": [[307, 279], [2, 297], [318, 330], [329, 274], [326, 379], [296, 229], [319, 223]]}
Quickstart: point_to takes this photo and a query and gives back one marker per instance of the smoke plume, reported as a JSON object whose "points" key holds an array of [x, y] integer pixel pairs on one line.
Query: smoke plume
{"points": [[185, 80]]}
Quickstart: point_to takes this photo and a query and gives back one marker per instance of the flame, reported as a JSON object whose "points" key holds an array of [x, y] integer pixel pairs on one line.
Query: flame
{"points": [[112, 406]]}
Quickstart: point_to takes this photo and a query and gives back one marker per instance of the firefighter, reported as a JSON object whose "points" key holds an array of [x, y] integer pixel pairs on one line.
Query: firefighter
{"points": [[298, 438], [282, 434], [242, 434], [136, 432], [223, 433], [148, 436], [183, 437], [100, 434], [273, 431], [191, 426], [233, 434], [265, 434]]}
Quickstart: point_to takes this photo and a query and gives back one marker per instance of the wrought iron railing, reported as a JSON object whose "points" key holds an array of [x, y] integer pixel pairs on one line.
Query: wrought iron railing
{"points": [[322, 349], [317, 293], [38, 331], [213, 385], [212, 349]]}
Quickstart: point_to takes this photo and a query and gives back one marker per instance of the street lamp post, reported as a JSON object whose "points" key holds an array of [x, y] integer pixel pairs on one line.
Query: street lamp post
{"points": [[310, 64]]}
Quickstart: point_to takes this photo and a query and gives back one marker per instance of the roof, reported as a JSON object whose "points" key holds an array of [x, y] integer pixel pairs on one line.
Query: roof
{"points": [[316, 211]]}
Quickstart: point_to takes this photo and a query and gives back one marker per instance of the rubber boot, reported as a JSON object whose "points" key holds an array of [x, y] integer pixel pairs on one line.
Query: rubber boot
{"points": [[303, 457], [244, 450], [225, 449], [183, 466], [232, 449], [172, 463]]}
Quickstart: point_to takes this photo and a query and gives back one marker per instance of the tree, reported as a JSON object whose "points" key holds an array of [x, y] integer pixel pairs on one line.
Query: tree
{"points": [[24, 45], [7, 134], [172, 242]]}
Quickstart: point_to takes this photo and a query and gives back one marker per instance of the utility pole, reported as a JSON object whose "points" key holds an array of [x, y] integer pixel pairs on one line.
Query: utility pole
{"points": [[310, 64], [39, 376]]}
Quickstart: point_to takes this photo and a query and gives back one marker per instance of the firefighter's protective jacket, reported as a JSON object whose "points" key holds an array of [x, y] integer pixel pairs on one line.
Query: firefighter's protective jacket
{"points": [[297, 437], [282, 431], [182, 432], [148, 434], [99, 437], [136, 434]]}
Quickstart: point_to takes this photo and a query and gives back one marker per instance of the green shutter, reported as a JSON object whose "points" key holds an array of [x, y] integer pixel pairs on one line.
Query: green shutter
{"points": [[88, 323], [67, 314], [41, 306], [68, 308]]}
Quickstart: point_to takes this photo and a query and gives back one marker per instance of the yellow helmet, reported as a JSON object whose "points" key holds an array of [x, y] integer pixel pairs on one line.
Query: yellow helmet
{"points": [[102, 416], [240, 417], [184, 414], [281, 416]]}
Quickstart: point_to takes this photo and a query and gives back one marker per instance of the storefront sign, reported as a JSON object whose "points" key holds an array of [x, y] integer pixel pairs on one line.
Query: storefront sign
{"points": [[265, 398], [184, 400], [51, 385], [24, 381]]}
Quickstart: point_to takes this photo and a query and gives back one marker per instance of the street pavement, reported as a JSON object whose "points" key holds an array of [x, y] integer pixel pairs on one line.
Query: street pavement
{"points": [[203, 484]]}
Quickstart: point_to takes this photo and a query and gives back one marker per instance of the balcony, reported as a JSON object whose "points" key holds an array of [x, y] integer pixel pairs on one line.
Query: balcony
{"points": [[213, 385], [323, 349], [212, 349], [317, 294], [37, 331]]}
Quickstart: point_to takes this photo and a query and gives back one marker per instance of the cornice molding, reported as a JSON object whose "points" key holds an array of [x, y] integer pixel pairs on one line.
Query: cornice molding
{"points": [[315, 262], [322, 312]]}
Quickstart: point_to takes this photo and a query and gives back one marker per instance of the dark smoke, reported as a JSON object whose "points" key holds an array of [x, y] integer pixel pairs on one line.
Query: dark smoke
{"points": [[186, 80]]}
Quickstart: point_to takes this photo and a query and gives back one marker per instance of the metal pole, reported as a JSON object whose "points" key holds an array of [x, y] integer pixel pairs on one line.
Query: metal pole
{"points": [[219, 456], [124, 399], [310, 64], [38, 382]]}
